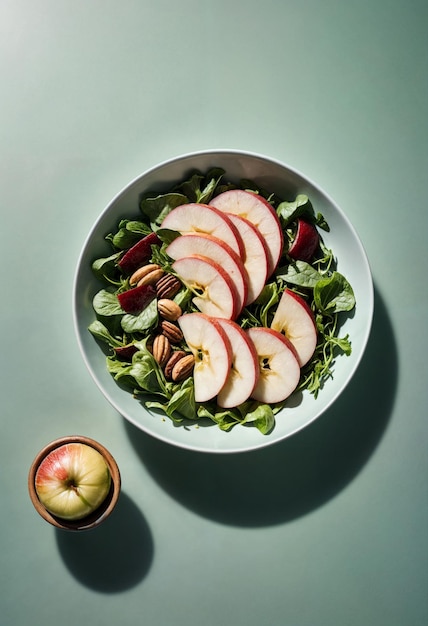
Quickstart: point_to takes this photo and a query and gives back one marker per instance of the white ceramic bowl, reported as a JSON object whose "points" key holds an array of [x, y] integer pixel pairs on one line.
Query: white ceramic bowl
{"points": [[287, 183]]}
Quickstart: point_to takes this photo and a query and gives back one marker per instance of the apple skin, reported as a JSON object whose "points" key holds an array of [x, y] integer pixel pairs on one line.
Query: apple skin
{"points": [[259, 212], [244, 372], [72, 481], [305, 242], [294, 318], [256, 256], [279, 368], [211, 348]]}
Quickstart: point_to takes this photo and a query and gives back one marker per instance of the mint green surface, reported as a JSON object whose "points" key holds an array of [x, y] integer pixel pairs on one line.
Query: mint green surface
{"points": [[327, 528]]}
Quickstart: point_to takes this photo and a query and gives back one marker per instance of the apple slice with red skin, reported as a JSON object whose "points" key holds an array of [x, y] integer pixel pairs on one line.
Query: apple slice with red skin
{"points": [[244, 372], [215, 291], [259, 212], [305, 242], [138, 254], [203, 218], [279, 370], [212, 351], [256, 256], [208, 246], [72, 481], [134, 300], [294, 318]]}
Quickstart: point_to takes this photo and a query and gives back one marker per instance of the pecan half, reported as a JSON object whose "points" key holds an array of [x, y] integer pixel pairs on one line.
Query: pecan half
{"points": [[146, 275], [176, 355], [172, 331], [169, 309], [161, 349], [168, 286], [183, 368]]}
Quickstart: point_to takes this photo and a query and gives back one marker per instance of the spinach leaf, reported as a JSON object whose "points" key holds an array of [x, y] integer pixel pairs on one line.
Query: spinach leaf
{"points": [[299, 273], [334, 294], [266, 300], [181, 404], [129, 233], [289, 211], [200, 188], [148, 318], [145, 370], [156, 209], [105, 269], [261, 416], [105, 303], [101, 332]]}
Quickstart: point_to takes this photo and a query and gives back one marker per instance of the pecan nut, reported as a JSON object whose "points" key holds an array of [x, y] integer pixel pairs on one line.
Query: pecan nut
{"points": [[183, 368], [168, 286], [146, 275], [171, 331], [169, 309], [176, 355], [161, 349]]}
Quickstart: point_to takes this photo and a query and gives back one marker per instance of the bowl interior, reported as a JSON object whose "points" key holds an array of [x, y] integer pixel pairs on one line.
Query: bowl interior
{"points": [[303, 408]]}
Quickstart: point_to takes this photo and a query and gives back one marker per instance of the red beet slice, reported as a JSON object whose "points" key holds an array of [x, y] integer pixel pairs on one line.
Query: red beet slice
{"points": [[305, 242], [126, 352], [139, 254], [134, 300]]}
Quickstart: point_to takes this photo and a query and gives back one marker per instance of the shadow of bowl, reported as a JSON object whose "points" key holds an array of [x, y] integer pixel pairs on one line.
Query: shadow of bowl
{"points": [[282, 482]]}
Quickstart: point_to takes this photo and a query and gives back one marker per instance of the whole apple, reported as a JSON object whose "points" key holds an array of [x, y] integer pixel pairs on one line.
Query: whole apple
{"points": [[72, 481]]}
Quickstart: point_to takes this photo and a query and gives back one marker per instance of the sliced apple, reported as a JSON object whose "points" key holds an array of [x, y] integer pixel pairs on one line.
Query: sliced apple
{"points": [[259, 212], [305, 242], [244, 372], [213, 288], [279, 370], [256, 256], [294, 318], [212, 351], [203, 218], [208, 246]]}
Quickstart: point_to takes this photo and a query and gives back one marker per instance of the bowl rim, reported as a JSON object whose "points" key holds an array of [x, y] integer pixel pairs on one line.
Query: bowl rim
{"points": [[105, 509], [369, 293]]}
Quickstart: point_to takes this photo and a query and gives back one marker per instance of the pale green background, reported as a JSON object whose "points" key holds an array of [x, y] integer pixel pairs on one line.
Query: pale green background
{"points": [[328, 528]]}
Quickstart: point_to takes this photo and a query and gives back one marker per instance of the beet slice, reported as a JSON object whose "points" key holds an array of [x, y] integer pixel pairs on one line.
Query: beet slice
{"points": [[139, 254], [126, 352], [134, 300]]}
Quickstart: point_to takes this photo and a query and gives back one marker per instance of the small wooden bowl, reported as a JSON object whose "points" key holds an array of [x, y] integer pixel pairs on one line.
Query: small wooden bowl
{"points": [[103, 511]]}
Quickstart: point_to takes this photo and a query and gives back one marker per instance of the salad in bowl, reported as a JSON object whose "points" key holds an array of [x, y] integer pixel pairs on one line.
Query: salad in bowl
{"points": [[222, 301]]}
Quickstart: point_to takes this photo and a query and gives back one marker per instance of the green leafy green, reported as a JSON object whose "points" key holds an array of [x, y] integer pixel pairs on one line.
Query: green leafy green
{"points": [[101, 332], [299, 273], [290, 211], [129, 233], [105, 269], [148, 318], [156, 209], [333, 294], [106, 303], [199, 187]]}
